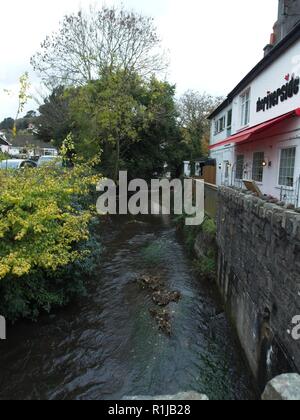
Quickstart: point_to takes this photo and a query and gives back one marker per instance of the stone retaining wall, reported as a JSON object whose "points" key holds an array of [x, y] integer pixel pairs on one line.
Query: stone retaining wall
{"points": [[259, 278]]}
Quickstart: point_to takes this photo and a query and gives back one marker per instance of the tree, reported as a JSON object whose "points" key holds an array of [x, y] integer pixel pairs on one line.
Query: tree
{"points": [[67, 151], [7, 124], [24, 86], [54, 120], [160, 138], [194, 108], [22, 124], [30, 115], [87, 43], [130, 122], [106, 112]]}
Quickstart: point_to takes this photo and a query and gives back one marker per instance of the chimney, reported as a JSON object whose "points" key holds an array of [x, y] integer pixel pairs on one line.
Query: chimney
{"points": [[269, 46], [288, 18]]}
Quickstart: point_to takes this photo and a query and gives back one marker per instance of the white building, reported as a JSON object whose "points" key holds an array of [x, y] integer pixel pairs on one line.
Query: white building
{"points": [[27, 146], [4, 143], [255, 132]]}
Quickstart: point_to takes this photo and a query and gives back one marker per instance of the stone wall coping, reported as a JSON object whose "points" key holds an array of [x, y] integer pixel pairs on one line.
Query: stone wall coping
{"points": [[283, 388], [276, 215]]}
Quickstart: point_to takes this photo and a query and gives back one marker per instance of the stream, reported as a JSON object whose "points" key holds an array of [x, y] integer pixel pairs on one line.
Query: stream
{"points": [[107, 345]]}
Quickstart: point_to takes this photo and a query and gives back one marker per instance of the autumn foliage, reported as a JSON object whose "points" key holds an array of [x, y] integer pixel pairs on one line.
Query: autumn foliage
{"points": [[43, 218]]}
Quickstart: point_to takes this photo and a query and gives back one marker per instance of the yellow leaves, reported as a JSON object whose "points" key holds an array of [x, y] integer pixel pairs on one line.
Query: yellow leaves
{"points": [[4, 270], [14, 130], [39, 224], [23, 96], [21, 234], [21, 268], [14, 264], [3, 228], [68, 146]]}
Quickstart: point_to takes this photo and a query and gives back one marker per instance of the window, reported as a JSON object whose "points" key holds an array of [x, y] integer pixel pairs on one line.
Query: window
{"points": [[229, 119], [220, 125], [287, 167], [227, 166], [216, 127], [240, 167], [258, 167], [245, 108]]}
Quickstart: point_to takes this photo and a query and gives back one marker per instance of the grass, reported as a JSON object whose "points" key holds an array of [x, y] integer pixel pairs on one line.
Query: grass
{"points": [[209, 227]]}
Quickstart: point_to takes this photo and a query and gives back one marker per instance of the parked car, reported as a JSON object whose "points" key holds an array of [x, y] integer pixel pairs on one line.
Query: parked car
{"points": [[17, 164], [46, 160]]}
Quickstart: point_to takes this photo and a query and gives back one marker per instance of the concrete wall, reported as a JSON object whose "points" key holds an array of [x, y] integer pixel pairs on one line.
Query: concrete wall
{"points": [[259, 278]]}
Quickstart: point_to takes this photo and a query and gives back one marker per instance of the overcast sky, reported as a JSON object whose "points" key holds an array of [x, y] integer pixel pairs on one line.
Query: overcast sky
{"points": [[212, 44]]}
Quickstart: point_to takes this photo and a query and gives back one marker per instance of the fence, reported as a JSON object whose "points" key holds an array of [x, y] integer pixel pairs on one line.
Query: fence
{"points": [[287, 194], [231, 180], [291, 195], [210, 199]]}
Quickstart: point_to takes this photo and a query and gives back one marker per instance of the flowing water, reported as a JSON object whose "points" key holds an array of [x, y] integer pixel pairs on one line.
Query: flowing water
{"points": [[107, 345]]}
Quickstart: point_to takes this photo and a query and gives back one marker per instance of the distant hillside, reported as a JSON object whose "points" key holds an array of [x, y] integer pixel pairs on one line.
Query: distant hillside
{"points": [[25, 123], [26, 139]]}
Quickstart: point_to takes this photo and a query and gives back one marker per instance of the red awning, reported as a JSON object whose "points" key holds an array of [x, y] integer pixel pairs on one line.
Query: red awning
{"points": [[249, 134]]}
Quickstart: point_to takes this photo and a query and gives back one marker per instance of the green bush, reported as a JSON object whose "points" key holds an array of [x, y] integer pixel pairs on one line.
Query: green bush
{"points": [[209, 227], [206, 266], [45, 234]]}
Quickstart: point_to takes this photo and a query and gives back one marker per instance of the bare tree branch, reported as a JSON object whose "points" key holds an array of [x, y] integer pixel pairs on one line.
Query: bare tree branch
{"points": [[89, 42]]}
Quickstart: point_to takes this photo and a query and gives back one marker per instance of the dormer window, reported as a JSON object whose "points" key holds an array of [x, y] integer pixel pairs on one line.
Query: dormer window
{"points": [[245, 108]]}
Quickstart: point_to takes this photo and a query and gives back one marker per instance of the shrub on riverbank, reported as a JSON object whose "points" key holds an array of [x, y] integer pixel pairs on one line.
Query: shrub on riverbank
{"points": [[44, 228], [206, 250], [201, 240]]}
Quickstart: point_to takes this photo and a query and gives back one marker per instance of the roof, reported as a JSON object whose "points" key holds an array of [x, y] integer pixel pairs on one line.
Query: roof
{"points": [[3, 141], [275, 52], [206, 161]]}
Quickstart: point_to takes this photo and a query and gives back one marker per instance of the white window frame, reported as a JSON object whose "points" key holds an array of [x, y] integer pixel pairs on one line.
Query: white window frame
{"points": [[245, 106], [279, 166], [262, 152], [219, 128]]}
